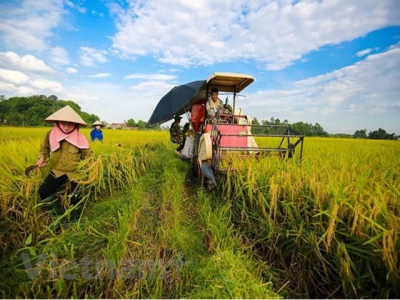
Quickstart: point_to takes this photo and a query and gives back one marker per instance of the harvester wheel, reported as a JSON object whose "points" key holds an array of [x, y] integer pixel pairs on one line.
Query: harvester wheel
{"points": [[205, 147]]}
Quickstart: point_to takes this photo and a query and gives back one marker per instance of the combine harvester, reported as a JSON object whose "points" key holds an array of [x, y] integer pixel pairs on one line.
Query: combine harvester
{"points": [[210, 143]]}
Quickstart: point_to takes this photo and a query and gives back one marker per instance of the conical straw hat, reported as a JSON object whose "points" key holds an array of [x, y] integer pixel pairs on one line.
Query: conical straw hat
{"points": [[97, 123], [66, 114]]}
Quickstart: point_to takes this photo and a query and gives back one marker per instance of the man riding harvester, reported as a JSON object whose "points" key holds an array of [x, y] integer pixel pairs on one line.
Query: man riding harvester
{"points": [[218, 130]]}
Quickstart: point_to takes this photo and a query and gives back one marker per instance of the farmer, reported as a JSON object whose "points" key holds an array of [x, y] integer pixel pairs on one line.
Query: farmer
{"points": [[214, 105], [96, 134], [177, 135], [63, 146]]}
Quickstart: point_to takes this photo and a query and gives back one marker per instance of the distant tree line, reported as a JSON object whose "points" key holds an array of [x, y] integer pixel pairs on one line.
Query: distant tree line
{"points": [[140, 124], [306, 129], [31, 111], [379, 134]]}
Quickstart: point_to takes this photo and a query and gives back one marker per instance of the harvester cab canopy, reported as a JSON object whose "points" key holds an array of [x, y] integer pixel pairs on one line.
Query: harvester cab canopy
{"points": [[229, 82]]}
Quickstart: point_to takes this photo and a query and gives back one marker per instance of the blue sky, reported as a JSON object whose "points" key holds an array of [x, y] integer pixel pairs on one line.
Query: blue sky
{"points": [[332, 62]]}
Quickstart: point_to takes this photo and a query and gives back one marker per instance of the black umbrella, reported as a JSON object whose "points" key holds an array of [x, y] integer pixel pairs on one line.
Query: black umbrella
{"points": [[176, 102]]}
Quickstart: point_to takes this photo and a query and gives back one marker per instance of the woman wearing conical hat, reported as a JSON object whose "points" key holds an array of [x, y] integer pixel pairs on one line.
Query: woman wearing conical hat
{"points": [[64, 147], [96, 134]]}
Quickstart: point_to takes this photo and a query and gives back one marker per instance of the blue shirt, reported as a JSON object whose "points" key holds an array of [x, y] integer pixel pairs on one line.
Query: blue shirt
{"points": [[96, 135]]}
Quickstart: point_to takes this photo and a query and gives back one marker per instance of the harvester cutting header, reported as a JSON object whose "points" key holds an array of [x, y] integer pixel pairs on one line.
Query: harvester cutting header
{"points": [[229, 132]]}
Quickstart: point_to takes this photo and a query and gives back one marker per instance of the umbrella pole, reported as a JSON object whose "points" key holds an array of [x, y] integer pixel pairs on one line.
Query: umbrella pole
{"points": [[234, 103]]}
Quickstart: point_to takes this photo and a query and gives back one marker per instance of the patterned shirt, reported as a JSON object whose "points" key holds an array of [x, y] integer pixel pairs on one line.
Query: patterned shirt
{"points": [[176, 133], [213, 108]]}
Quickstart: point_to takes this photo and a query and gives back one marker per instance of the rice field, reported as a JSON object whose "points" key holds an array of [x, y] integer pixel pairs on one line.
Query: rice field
{"points": [[325, 227]]}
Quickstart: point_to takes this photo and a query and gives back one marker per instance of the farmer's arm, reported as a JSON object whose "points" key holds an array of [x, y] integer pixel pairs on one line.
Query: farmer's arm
{"points": [[210, 111], [86, 153], [44, 152]]}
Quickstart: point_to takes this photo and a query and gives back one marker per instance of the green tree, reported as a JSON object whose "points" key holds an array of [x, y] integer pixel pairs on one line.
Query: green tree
{"points": [[265, 122], [255, 121], [317, 130], [361, 134], [381, 134], [4, 108], [131, 123], [31, 111], [302, 128], [141, 124]]}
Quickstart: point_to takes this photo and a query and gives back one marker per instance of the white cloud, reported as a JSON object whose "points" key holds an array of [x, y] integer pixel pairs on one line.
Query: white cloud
{"points": [[363, 52], [162, 77], [148, 87], [29, 25], [13, 77], [273, 33], [30, 63], [80, 95], [59, 56], [89, 56], [7, 87], [46, 85], [26, 76], [100, 75], [25, 90], [71, 71], [82, 10]]}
